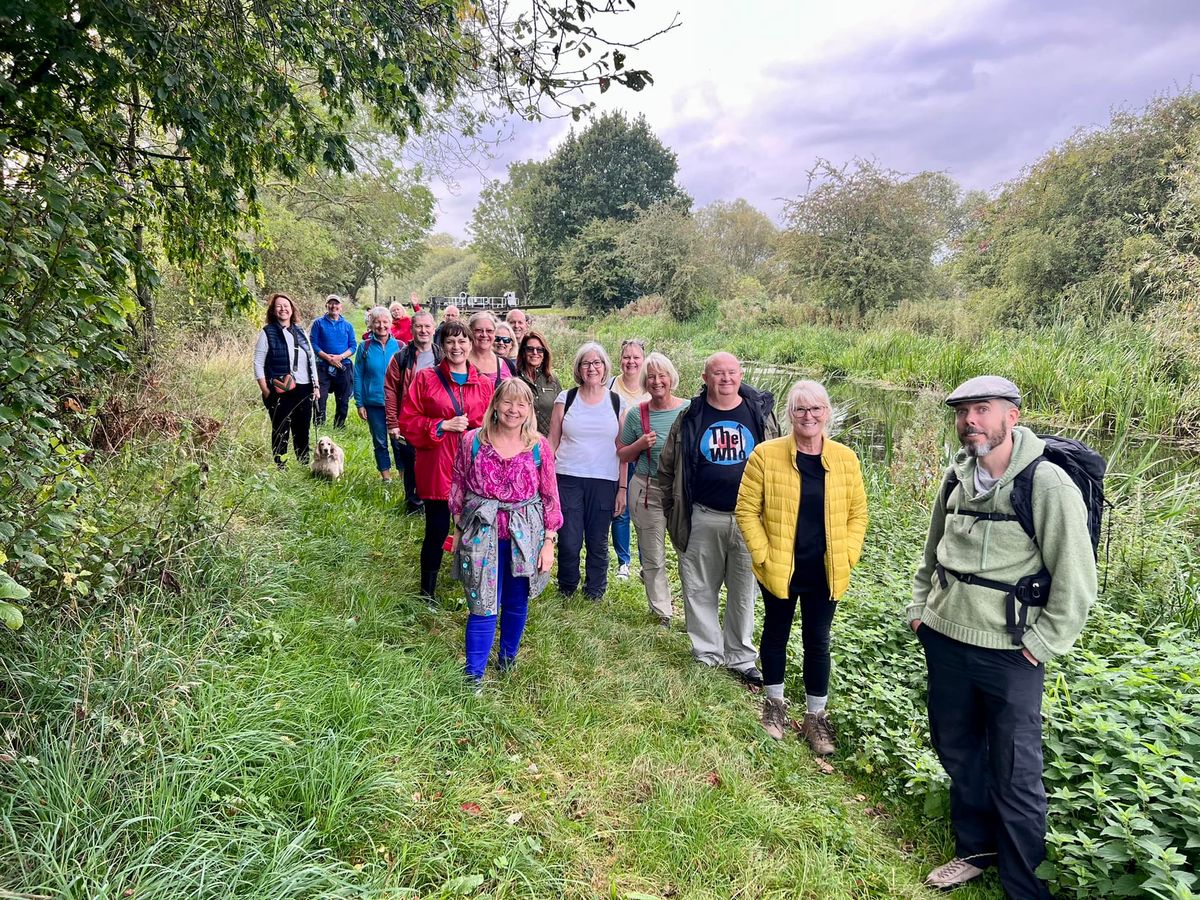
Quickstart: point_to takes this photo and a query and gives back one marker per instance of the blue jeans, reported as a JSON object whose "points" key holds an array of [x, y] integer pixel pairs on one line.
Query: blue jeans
{"points": [[377, 422], [620, 525], [513, 601]]}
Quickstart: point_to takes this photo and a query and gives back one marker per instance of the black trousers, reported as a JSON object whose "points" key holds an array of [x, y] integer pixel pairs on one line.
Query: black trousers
{"points": [[816, 618], [437, 526], [588, 504], [290, 412], [985, 718], [406, 460], [341, 383]]}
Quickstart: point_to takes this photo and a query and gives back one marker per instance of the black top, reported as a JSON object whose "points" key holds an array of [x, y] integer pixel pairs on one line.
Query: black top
{"points": [[809, 552], [726, 439]]}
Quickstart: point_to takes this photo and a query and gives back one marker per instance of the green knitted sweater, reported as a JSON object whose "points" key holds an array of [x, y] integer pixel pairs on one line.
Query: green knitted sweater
{"points": [[1002, 551]]}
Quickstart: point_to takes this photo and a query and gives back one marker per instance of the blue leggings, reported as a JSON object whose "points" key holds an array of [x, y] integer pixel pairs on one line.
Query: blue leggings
{"points": [[621, 528], [513, 601]]}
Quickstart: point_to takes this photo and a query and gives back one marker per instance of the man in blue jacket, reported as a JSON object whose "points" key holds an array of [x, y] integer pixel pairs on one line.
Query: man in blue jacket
{"points": [[332, 338]]}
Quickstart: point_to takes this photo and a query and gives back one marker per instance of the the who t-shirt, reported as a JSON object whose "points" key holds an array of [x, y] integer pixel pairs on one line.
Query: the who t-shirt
{"points": [[726, 439]]}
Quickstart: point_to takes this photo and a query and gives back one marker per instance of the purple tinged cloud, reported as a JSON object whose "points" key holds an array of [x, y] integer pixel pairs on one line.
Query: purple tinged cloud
{"points": [[980, 101]]}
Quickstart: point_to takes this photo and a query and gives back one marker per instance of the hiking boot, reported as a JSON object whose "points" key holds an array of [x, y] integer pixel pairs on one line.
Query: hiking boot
{"points": [[774, 717], [818, 732], [664, 622], [623, 571], [952, 875]]}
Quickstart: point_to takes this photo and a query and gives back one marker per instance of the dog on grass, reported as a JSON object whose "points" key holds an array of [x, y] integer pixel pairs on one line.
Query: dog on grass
{"points": [[329, 460]]}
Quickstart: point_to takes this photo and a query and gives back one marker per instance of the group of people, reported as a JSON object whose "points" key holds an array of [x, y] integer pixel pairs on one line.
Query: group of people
{"points": [[494, 451]]}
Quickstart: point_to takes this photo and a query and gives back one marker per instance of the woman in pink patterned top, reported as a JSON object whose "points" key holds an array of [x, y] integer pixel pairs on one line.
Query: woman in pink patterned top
{"points": [[504, 500]]}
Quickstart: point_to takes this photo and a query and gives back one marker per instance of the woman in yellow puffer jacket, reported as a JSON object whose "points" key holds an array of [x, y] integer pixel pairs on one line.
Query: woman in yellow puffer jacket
{"points": [[802, 510]]}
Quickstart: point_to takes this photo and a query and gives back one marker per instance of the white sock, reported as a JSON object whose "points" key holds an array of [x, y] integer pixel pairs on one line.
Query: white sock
{"points": [[816, 704], [774, 691]]}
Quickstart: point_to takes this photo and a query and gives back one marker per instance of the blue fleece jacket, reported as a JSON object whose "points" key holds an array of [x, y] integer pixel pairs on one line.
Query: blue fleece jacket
{"points": [[370, 367]]}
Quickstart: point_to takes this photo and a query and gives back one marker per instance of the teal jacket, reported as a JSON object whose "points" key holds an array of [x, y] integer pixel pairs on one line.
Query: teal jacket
{"points": [[1002, 551], [370, 367]]}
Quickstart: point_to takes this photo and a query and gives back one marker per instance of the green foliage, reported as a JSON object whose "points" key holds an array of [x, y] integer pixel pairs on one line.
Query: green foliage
{"points": [[866, 238], [502, 225], [738, 234], [666, 254], [454, 278], [487, 281], [595, 269], [1108, 212], [611, 170]]}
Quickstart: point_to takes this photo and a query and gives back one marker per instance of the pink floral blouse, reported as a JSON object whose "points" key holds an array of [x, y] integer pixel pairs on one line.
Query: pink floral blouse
{"points": [[506, 480]]}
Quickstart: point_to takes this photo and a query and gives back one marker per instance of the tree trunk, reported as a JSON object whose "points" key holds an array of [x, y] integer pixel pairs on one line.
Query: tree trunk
{"points": [[144, 329]]}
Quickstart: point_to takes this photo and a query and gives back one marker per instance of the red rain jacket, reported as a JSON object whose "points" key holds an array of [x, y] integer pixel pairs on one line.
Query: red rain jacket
{"points": [[426, 405]]}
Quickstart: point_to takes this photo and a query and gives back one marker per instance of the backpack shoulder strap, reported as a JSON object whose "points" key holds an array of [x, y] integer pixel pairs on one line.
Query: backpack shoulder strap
{"points": [[616, 403], [644, 412], [571, 395], [1022, 497], [951, 484]]}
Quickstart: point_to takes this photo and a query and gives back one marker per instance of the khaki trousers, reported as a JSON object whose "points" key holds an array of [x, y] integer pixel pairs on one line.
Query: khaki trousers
{"points": [[645, 508], [716, 554]]}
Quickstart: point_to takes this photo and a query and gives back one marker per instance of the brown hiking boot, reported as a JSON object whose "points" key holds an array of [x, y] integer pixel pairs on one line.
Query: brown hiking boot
{"points": [[774, 717], [818, 732]]}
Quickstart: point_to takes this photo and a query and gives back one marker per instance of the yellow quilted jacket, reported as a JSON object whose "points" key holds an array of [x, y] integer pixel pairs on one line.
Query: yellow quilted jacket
{"points": [[769, 500]]}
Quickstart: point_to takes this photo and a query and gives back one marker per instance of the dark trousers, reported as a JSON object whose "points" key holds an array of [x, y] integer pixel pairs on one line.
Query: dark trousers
{"points": [[290, 412], [816, 618], [437, 526], [588, 504], [341, 383], [406, 459], [985, 718]]}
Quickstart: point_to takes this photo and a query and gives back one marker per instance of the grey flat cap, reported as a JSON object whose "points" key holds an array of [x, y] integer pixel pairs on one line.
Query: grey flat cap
{"points": [[984, 387]]}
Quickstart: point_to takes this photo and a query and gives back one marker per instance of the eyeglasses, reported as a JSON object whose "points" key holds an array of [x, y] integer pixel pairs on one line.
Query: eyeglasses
{"points": [[529, 351], [592, 364], [504, 340], [814, 411]]}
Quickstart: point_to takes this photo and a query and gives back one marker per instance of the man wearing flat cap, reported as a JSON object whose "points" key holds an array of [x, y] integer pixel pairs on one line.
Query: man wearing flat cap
{"points": [[990, 605]]}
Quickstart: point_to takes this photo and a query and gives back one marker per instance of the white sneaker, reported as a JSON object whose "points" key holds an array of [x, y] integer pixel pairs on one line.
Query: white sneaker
{"points": [[623, 571]]}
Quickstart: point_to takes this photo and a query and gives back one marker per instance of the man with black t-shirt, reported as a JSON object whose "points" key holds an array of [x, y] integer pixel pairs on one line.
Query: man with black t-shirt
{"points": [[699, 474]]}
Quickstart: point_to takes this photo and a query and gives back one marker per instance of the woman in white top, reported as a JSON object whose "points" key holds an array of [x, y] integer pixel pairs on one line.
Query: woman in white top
{"points": [[591, 481], [628, 386], [285, 368]]}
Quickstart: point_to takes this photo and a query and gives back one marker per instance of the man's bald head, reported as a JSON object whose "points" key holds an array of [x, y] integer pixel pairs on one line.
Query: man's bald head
{"points": [[722, 376], [451, 314]]}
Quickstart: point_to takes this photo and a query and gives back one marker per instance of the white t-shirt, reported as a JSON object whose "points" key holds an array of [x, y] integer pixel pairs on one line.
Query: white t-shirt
{"points": [[588, 448]]}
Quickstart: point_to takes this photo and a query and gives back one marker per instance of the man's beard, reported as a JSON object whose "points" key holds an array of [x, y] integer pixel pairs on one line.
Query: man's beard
{"points": [[993, 440]]}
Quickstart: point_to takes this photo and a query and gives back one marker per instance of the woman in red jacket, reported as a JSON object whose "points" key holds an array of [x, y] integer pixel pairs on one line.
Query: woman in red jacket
{"points": [[442, 402]]}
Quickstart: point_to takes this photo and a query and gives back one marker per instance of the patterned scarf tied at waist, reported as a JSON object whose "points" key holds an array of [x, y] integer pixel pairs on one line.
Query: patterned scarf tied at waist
{"points": [[477, 560]]}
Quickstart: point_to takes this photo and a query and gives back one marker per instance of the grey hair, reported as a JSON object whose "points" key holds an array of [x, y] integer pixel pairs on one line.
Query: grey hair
{"points": [[590, 347], [810, 393], [422, 314], [512, 334], [377, 311], [662, 364]]}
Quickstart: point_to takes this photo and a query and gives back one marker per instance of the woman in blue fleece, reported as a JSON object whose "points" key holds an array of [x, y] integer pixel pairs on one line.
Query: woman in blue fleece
{"points": [[370, 367]]}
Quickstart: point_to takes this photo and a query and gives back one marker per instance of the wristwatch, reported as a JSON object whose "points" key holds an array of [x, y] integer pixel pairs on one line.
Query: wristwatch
{"points": [[552, 537]]}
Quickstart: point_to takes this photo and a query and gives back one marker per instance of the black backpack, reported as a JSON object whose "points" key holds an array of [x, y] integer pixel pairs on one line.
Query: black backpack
{"points": [[574, 392], [1085, 467]]}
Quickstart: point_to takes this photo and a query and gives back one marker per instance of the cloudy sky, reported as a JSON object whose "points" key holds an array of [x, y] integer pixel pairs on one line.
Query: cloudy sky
{"points": [[748, 94]]}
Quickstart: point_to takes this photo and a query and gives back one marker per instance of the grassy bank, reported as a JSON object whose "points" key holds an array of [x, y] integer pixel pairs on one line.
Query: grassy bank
{"points": [[278, 716], [1124, 376]]}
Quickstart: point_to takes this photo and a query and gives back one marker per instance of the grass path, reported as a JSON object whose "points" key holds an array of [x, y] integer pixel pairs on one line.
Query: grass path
{"points": [[296, 725]]}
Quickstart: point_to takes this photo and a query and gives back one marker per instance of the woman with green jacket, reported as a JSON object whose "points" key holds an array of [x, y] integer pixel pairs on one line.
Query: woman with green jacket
{"points": [[802, 510]]}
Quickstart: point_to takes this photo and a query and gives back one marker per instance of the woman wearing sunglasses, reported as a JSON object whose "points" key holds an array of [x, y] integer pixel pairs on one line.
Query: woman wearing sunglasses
{"points": [[506, 341], [533, 365]]}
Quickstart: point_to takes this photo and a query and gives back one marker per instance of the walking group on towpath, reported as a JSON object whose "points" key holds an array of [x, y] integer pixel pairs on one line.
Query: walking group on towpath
{"points": [[519, 481]]}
